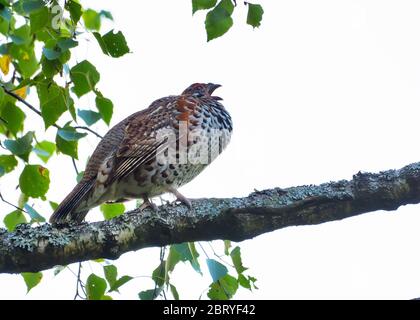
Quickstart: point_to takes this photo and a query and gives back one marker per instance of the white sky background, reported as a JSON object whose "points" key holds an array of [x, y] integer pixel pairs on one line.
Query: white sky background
{"points": [[322, 90]]}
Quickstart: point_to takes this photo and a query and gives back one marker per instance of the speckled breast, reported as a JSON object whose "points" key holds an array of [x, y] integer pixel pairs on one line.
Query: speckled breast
{"points": [[195, 135]]}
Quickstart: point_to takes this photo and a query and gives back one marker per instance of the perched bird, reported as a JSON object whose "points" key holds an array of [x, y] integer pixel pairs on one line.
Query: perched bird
{"points": [[153, 151]]}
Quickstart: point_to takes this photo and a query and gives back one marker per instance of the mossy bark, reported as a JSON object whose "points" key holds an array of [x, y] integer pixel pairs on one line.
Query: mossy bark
{"points": [[30, 249]]}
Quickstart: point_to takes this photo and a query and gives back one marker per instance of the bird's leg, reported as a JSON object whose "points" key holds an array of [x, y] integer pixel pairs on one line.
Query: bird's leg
{"points": [[147, 203], [180, 197]]}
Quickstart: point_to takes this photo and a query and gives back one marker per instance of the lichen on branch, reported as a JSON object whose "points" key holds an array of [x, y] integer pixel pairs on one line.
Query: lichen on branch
{"points": [[31, 249]]}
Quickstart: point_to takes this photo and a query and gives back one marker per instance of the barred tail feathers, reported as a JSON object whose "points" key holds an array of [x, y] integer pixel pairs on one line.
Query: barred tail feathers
{"points": [[66, 211]]}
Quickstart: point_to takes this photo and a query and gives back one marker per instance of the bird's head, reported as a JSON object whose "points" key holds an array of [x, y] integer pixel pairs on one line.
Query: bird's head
{"points": [[202, 90]]}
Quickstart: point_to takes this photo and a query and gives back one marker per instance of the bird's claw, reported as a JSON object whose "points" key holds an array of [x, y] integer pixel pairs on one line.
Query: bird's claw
{"points": [[179, 197], [148, 204]]}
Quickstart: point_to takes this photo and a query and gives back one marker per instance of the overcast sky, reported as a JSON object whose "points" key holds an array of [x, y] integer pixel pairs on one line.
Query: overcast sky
{"points": [[322, 90]]}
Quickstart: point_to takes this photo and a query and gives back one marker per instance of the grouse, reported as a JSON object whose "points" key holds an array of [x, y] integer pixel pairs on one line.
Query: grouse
{"points": [[151, 152]]}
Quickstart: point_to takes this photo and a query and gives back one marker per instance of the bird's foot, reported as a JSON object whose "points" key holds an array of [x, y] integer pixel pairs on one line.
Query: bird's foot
{"points": [[148, 204], [181, 198]]}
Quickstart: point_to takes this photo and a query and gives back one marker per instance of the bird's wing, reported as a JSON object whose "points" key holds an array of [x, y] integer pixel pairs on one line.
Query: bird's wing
{"points": [[142, 152], [141, 142]]}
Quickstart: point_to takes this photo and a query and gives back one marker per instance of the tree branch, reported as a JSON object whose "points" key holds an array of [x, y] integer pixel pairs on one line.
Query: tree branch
{"points": [[26, 103], [33, 249], [90, 130]]}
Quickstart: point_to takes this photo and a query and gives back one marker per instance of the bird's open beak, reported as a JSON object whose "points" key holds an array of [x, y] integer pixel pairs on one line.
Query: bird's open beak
{"points": [[212, 88]]}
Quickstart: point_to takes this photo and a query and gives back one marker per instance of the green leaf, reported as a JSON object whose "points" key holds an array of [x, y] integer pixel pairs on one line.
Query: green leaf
{"points": [[23, 83], [158, 274], [17, 6], [23, 198], [22, 35], [92, 19], [120, 282], [79, 176], [64, 58], [150, 294], [219, 20], [202, 4], [21, 146], [227, 244], [14, 117], [66, 44], [182, 252], [39, 19], [116, 44], [194, 254], [54, 100], [2, 95], [35, 216], [174, 292], [253, 280], [106, 14], [255, 14], [70, 134], [105, 108], [101, 42], [177, 253], [113, 44], [70, 105], [27, 62], [237, 260], [56, 56], [5, 13], [224, 289], [110, 274], [112, 210], [67, 147], [217, 270], [8, 162], [44, 150], [147, 294], [51, 53], [244, 281], [4, 47], [14, 218], [6, 24], [30, 6], [75, 10], [88, 116], [95, 287], [84, 76], [173, 258], [50, 67], [31, 279], [17, 40], [34, 181], [53, 205]]}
